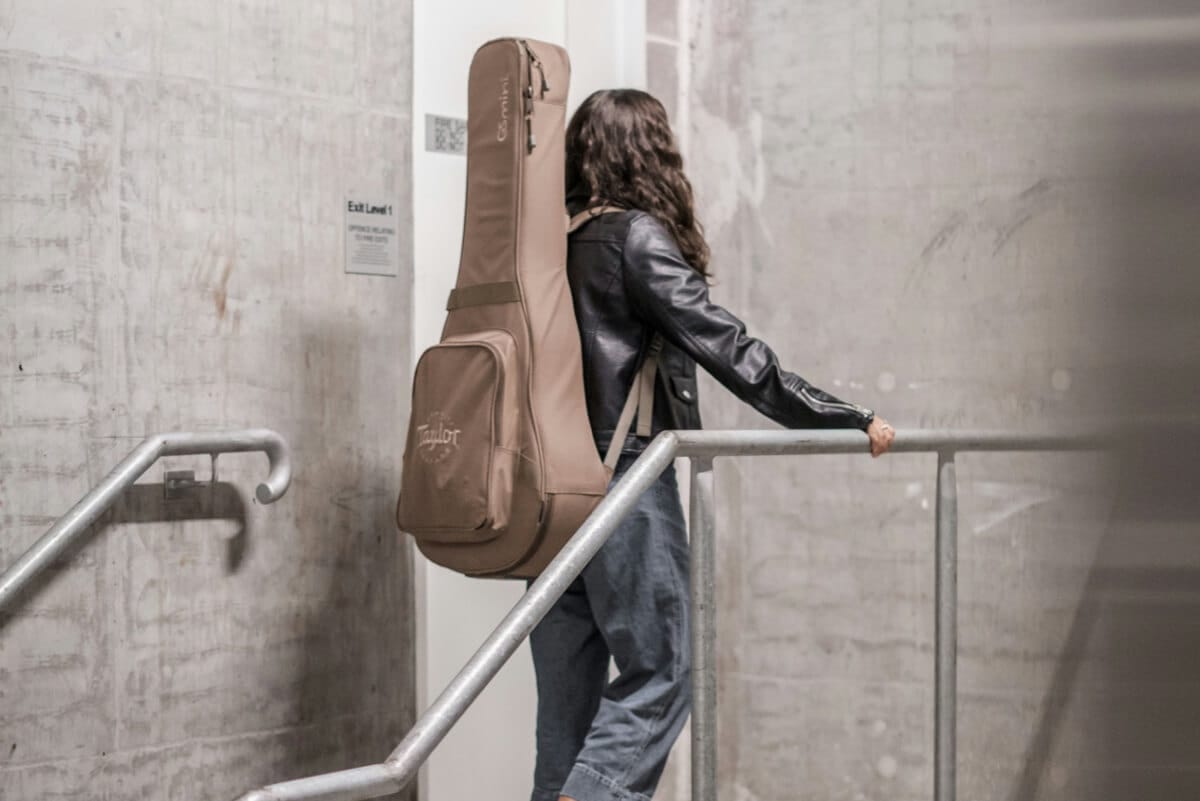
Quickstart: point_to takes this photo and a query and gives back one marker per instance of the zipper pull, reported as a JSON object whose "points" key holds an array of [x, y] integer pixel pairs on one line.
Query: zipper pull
{"points": [[530, 59], [530, 62], [534, 61]]}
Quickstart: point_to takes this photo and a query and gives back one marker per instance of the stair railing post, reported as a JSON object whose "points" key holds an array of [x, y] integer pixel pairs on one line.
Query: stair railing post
{"points": [[703, 624], [946, 631]]}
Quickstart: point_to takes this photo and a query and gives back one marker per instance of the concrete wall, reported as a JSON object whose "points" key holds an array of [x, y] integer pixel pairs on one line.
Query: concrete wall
{"points": [[912, 205], [171, 196]]}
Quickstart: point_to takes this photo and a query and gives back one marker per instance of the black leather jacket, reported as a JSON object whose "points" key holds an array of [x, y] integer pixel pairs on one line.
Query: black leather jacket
{"points": [[628, 279]]}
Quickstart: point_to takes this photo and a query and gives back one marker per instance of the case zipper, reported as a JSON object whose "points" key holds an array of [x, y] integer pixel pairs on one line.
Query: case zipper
{"points": [[532, 62]]}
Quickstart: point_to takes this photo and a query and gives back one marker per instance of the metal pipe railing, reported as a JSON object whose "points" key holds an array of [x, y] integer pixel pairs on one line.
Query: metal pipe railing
{"points": [[945, 637], [701, 446], [67, 530], [401, 766], [703, 569]]}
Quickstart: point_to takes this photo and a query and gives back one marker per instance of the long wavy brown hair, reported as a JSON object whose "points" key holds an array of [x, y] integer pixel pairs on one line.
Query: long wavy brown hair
{"points": [[621, 152]]}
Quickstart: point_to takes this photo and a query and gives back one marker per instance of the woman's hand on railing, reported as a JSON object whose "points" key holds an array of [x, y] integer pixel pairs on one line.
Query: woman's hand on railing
{"points": [[881, 434]]}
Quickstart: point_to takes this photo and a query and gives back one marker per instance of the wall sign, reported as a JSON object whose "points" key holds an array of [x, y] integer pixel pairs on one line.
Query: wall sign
{"points": [[372, 236], [445, 134]]}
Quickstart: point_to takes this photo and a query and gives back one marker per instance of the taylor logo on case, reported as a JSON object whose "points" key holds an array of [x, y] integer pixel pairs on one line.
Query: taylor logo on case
{"points": [[437, 438]]}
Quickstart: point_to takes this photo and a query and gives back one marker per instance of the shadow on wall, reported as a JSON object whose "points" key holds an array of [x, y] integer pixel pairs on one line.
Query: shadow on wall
{"points": [[350, 677], [334, 656], [1127, 682], [1124, 697], [151, 504], [330, 657], [1144, 694]]}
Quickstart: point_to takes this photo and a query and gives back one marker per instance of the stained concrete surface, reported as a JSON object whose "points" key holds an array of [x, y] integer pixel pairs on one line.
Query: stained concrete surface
{"points": [[171, 197], [942, 211]]}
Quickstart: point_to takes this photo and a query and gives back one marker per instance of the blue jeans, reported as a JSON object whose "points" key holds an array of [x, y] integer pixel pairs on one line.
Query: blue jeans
{"points": [[601, 740]]}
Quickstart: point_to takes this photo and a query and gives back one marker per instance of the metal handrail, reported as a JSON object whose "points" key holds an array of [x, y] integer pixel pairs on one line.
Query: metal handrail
{"points": [[75, 522], [401, 765]]}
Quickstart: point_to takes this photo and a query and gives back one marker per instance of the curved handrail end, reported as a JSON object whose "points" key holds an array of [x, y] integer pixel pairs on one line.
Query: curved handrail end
{"points": [[279, 457]]}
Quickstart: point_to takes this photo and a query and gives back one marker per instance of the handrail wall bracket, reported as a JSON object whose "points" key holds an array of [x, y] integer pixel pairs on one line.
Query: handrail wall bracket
{"points": [[71, 526]]}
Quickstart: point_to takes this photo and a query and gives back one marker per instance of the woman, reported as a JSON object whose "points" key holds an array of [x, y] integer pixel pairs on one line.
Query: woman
{"points": [[633, 274]]}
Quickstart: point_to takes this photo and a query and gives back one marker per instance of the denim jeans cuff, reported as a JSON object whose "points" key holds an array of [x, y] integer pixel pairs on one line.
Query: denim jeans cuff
{"points": [[585, 784]]}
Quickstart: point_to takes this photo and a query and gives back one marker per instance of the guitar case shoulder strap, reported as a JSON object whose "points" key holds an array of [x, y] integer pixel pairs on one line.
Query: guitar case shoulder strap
{"points": [[640, 400]]}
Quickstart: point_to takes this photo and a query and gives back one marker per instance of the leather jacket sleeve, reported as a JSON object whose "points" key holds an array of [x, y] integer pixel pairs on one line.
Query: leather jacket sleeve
{"points": [[673, 298]]}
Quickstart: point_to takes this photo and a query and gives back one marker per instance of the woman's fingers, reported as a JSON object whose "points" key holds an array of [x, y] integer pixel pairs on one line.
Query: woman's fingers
{"points": [[881, 435]]}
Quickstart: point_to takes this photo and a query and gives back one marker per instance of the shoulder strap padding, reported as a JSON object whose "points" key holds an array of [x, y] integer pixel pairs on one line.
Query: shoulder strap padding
{"points": [[587, 214], [639, 401]]}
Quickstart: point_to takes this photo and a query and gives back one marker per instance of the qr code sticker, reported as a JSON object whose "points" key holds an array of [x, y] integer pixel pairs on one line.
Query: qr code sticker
{"points": [[445, 134]]}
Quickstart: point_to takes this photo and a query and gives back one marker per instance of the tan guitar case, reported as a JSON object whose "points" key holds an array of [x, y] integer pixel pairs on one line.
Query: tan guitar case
{"points": [[500, 467]]}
